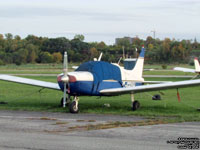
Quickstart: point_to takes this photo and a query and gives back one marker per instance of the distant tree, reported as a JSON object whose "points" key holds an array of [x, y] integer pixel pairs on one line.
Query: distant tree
{"points": [[9, 36], [101, 45], [23, 53], [46, 57], [94, 53], [166, 50], [33, 51], [17, 37], [1, 36], [123, 42], [57, 57], [56, 45], [79, 37], [31, 57], [182, 51], [195, 44], [71, 56], [149, 40], [150, 46], [1, 62], [137, 42]]}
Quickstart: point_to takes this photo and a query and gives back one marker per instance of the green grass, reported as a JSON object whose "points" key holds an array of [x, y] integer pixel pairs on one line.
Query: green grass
{"points": [[24, 97]]}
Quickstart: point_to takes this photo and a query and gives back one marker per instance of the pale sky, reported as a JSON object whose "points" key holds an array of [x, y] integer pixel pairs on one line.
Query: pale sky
{"points": [[101, 20]]}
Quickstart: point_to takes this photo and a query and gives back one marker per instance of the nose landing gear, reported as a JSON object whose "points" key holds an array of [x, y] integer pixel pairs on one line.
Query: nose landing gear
{"points": [[73, 107]]}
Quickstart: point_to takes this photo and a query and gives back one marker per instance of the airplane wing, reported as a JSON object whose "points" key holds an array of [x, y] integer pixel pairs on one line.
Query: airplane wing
{"points": [[184, 69], [32, 82], [152, 87]]}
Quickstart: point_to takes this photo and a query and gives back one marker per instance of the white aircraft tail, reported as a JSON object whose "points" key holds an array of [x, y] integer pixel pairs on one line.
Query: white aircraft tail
{"points": [[197, 66], [136, 73], [138, 69]]}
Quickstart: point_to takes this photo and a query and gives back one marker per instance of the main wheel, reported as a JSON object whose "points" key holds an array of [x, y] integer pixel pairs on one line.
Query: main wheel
{"points": [[135, 105], [73, 108]]}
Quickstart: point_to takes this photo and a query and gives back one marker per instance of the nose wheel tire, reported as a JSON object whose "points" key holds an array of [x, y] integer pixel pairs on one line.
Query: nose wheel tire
{"points": [[135, 105], [61, 102], [73, 107]]}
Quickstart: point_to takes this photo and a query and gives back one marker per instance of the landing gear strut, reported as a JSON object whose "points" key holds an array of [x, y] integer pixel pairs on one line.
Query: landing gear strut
{"points": [[135, 103], [73, 107], [67, 101]]}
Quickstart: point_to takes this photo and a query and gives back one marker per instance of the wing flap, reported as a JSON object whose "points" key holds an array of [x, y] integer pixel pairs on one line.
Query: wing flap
{"points": [[32, 82], [152, 87]]}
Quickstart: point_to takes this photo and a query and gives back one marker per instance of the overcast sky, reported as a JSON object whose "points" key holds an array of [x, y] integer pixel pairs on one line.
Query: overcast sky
{"points": [[101, 20]]}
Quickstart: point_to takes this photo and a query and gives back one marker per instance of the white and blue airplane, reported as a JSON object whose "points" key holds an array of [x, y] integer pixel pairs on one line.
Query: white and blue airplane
{"points": [[99, 78]]}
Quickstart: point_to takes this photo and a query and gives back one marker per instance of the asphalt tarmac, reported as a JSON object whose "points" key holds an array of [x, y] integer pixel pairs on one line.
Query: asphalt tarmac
{"points": [[24, 130]]}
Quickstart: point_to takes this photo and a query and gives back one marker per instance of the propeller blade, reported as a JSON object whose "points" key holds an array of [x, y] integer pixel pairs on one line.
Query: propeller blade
{"points": [[65, 78], [64, 94], [65, 64]]}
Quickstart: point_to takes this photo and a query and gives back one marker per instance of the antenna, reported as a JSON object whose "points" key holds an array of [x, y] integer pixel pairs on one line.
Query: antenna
{"points": [[119, 60]]}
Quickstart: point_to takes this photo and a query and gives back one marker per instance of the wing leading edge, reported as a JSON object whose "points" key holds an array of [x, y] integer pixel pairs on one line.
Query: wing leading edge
{"points": [[32, 82], [152, 87]]}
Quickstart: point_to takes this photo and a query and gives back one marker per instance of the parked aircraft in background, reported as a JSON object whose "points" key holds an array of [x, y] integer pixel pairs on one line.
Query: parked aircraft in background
{"points": [[99, 78], [196, 70]]}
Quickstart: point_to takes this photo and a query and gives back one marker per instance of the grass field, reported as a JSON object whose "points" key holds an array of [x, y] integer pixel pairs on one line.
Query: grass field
{"points": [[24, 97]]}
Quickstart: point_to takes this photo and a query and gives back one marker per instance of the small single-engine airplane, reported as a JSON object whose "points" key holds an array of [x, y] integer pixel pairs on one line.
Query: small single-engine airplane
{"points": [[99, 78], [196, 70]]}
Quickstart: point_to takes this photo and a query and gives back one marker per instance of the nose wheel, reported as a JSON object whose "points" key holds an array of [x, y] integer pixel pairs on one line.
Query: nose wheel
{"points": [[73, 107], [67, 101]]}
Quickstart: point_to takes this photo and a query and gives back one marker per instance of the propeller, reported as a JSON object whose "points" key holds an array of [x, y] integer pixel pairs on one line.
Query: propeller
{"points": [[65, 78]]}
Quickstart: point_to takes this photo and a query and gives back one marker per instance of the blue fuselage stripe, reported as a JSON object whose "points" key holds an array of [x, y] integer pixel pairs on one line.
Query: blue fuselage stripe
{"points": [[89, 88]]}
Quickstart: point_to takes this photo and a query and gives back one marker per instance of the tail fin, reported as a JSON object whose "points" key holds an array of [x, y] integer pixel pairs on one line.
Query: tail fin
{"points": [[136, 73], [138, 69], [197, 66]]}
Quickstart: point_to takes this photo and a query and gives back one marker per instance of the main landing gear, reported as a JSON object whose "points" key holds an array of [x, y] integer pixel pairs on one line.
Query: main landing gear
{"points": [[135, 103]]}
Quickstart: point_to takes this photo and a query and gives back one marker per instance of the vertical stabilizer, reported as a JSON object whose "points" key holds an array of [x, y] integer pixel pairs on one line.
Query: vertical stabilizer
{"points": [[136, 73], [196, 64], [138, 69]]}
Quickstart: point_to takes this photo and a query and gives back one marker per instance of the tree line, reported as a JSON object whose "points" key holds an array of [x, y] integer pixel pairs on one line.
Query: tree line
{"points": [[34, 49]]}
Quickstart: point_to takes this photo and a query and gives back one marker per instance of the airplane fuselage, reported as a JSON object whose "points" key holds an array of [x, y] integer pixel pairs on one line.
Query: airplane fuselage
{"points": [[82, 83]]}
